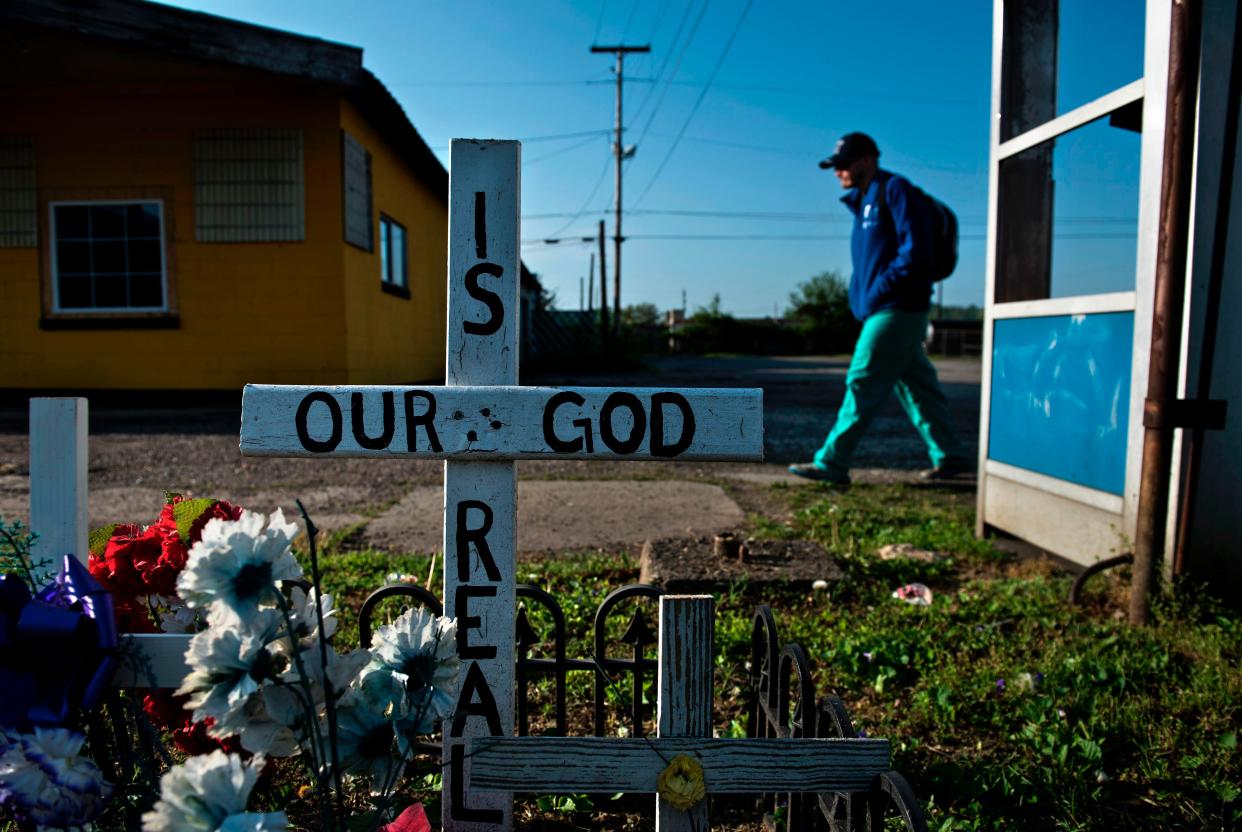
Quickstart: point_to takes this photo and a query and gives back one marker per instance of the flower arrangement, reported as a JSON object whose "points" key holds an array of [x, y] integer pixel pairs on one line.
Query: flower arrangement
{"points": [[264, 681], [264, 671], [140, 566], [45, 782]]}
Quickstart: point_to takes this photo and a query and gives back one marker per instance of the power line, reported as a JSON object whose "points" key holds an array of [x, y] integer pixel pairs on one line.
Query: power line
{"points": [[821, 92], [668, 55], [676, 68], [836, 217], [561, 151], [664, 7], [554, 240], [582, 210], [599, 22], [723, 54], [629, 21]]}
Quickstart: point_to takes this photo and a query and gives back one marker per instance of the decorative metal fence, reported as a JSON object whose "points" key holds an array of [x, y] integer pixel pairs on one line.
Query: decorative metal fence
{"points": [[782, 700], [783, 704], [608, 671]]}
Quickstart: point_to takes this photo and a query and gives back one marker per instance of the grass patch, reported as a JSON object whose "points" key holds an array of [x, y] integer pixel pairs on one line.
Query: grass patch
{"points": [[1006, 708]]}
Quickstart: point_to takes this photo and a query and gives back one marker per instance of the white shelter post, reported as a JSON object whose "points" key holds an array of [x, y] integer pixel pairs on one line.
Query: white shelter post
{"points": [[58, 489], [480, 498]]}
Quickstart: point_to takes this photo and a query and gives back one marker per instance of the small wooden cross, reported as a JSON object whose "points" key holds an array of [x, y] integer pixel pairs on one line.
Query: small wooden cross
{"points": [[58, 513], [479, 424], [570, 765]]}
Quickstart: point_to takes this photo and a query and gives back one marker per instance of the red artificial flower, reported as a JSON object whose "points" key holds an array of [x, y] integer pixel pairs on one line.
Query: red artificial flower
{"points": [[130, 551], [413, 819], [175, 552], [167, 712], [133, 615]]}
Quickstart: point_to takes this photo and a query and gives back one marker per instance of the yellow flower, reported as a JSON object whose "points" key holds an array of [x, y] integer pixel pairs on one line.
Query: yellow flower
{"points": [[304, 791], [681, 783]]}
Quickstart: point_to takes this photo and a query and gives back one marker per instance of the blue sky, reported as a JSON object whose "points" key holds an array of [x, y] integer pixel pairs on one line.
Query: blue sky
{"points": [[794, 76]]}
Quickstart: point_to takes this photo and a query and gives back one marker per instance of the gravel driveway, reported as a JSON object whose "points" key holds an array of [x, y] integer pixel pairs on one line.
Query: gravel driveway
{"points": [[136, 453]]}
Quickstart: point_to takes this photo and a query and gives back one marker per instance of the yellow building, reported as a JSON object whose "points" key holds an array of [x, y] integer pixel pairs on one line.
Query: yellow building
{"points": [[190, 202]]}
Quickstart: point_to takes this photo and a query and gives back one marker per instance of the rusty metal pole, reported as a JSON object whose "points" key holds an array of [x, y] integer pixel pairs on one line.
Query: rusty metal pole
{"points": [[1167, 306]]}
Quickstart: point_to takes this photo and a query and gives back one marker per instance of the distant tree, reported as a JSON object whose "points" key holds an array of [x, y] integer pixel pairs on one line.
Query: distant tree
{"points": [[960, 313], [820, 308], [710, 312], [641, 314], [546, 300]]}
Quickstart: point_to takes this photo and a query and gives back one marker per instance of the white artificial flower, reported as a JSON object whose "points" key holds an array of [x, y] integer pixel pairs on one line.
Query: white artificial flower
{"points": [[302, 614], [367, 745], [285, 702], [261, 734], [413, 669], [209, 793], [227, 667], [46, 783], [234, 567], [175, 616]]}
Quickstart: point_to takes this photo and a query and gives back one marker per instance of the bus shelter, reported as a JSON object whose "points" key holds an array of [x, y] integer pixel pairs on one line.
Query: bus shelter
{"points": [[1079, 190]]}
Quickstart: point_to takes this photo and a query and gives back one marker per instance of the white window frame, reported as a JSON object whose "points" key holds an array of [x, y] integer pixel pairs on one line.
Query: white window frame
{"points": [[1047, 496], [385, 239], [106, 310]]}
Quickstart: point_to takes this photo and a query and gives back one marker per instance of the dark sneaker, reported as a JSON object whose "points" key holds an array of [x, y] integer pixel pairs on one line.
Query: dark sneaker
{"points": [[811, 471], [950, 469]]}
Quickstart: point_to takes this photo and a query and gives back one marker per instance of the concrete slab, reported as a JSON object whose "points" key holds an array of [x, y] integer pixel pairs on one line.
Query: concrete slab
{"points": [[573, 515]]}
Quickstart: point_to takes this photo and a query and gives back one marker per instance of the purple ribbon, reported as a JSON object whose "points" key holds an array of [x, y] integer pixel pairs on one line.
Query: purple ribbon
{"points": [[56, 649]]}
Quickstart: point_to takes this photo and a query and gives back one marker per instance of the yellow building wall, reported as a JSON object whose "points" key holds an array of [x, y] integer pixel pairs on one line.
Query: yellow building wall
{"points": [[391, 339], [249, 312]]}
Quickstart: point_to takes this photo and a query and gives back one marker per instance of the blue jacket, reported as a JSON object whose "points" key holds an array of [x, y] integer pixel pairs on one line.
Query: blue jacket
{"points": [[891, 247]]}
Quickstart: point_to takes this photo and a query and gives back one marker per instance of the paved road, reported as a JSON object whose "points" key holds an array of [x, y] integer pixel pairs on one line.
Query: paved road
{"points": [[136, 453]]}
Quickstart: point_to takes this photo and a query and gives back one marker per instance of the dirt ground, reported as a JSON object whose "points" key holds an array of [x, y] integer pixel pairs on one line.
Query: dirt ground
{"points": [[136, 453]]}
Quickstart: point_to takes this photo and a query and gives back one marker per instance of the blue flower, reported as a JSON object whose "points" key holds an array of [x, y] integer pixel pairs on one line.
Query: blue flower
{"points": [[46, 783]]}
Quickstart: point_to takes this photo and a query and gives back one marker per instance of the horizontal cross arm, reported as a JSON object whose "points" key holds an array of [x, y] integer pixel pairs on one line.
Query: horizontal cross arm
{"points": [[503, 422], [151, 660], [569, 765]]}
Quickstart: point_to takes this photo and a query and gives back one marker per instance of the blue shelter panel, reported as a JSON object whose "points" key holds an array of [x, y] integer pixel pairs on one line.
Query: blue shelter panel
{"points": [[1061, 396]]}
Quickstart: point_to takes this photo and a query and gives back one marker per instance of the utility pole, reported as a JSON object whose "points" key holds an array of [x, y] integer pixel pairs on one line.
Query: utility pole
{"points": [[619, 151], [591, 285], [603, 292]]}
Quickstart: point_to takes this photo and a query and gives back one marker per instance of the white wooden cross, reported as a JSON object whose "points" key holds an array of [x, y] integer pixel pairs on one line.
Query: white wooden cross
{"points": [[58, 513], [571, 765], [479, 424]]}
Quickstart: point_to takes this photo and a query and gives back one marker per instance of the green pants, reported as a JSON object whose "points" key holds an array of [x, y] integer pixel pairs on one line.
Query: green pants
{"points": [[889, 355]]}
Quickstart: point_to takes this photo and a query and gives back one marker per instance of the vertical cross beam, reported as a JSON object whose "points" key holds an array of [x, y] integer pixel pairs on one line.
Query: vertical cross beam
{"points": [[684, 707], [480, 498], [58, 463]]}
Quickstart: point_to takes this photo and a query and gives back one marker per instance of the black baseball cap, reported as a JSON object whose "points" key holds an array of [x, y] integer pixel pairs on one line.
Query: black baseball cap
{"points": [[850, 148]]}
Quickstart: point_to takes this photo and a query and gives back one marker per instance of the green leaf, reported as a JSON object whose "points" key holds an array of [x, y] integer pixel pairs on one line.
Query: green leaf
{"points": [[186, 512], [97, 541], [1229, 740]]}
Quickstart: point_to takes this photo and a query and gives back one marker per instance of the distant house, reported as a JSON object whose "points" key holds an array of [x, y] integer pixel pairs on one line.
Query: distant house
{"points": [[193, 202]]}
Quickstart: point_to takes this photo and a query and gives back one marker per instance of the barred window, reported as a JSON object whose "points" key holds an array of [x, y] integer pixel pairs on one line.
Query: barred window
{"points": [[19, 217], [356, 176], [249, 186]]}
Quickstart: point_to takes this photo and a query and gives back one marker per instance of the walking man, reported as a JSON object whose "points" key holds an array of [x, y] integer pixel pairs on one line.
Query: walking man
{"points": [[890, 292]]}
